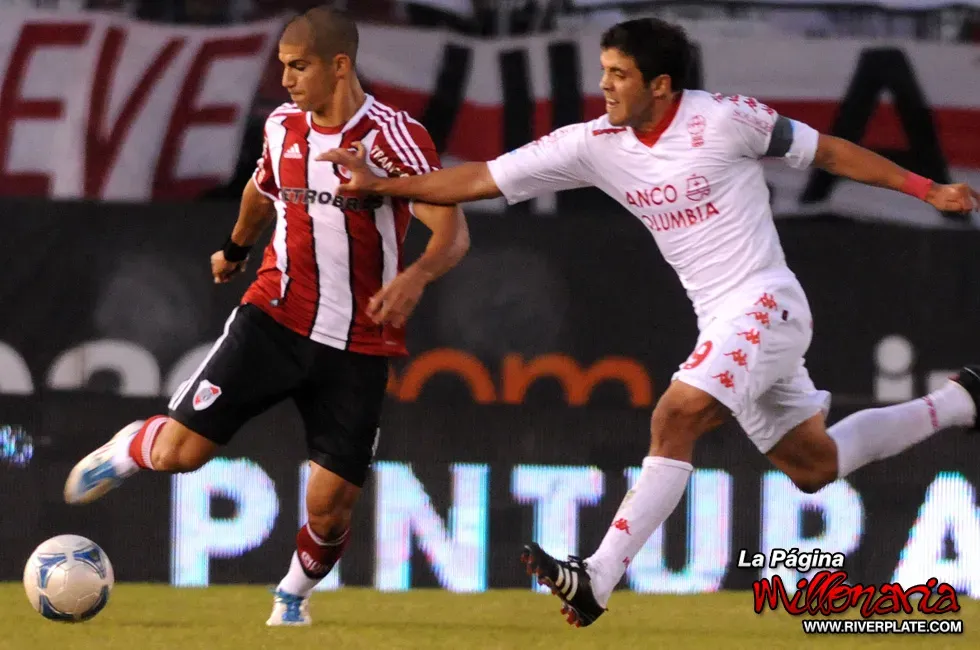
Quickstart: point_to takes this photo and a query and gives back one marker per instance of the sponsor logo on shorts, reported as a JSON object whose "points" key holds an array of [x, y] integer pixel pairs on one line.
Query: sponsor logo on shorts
{"points": [[739, 357], [206, 395], [768, 301], [726, 379], [761, 316]]}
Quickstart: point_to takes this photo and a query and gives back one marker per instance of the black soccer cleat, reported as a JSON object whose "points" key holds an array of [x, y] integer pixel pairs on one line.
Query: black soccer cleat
{"points": [[568, 580], [969, 378]]}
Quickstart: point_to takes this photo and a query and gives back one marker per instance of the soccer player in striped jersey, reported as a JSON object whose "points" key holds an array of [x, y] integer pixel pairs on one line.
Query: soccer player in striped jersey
{"points": [[326, 312]]}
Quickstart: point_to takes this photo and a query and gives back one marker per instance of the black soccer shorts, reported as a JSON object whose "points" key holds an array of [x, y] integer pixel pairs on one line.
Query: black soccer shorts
{"points": [[257, 363]]}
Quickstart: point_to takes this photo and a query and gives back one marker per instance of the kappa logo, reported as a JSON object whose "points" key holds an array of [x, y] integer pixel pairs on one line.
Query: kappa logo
{"points": [[207, 393]]}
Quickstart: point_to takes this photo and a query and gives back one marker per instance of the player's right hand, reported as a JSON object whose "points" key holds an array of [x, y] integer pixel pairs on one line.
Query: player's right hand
{"points": [[352, 167], [955, 197], [222, 270]]}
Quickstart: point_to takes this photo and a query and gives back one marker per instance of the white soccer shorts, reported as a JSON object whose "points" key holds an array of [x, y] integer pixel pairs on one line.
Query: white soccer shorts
{"points": [[750, 357]]}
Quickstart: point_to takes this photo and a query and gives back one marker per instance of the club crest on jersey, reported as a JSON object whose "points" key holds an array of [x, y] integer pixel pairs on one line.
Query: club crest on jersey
{"points": [[698, 188], [696, 126], [207, 393]]}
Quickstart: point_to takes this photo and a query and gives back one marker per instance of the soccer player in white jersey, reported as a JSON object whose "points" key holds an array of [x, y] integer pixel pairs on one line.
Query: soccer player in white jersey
{"points": [[687, 164], [325, 313]]}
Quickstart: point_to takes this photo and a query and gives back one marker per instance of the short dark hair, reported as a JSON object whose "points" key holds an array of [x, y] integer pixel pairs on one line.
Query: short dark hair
{"points": [[332, 31], [657, 46]]}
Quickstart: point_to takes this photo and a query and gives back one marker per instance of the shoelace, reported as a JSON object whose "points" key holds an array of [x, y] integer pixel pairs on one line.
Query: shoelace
{"points": [[292, 604]]}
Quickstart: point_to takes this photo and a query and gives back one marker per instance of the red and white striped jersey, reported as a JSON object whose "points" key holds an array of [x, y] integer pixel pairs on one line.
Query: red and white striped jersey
{"points": [[331, 253]]}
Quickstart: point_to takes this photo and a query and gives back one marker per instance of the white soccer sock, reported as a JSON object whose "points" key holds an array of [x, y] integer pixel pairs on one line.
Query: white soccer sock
{"points": [[879, 433], [656, 493], [296, 581], [121, 459]]}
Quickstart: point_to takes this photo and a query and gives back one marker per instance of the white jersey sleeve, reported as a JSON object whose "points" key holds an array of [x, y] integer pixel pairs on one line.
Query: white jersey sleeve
{"points": [[556, 162], [757, 131]]}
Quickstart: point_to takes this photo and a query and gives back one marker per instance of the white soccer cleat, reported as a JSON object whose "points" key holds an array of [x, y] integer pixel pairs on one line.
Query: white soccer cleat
{"points": [[289, 611], [96, 474]]}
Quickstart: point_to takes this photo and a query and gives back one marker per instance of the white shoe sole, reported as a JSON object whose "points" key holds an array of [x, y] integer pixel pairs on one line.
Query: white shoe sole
{"points": [[75, 476], [272, 623]]}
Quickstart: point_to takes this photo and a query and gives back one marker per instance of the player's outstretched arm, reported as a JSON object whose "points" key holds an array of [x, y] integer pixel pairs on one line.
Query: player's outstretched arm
{"points": [[843, 158], [467, 182]]}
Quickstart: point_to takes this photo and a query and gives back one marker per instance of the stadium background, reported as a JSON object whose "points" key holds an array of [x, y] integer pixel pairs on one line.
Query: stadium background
{"points": [[119, 168]]}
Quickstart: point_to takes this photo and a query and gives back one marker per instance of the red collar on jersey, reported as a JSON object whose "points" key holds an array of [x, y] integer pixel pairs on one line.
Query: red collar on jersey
{"points": [[326, 130], [649, 138]]}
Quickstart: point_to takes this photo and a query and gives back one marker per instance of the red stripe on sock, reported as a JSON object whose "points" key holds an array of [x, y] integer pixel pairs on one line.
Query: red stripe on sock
{"points": [[317, 559], [142, 444]]}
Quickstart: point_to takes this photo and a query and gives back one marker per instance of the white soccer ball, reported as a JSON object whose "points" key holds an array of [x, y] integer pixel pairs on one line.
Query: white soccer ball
{"points": [[68, 578]]}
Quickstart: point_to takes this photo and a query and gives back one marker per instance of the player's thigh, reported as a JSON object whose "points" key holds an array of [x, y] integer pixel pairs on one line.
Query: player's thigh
{"points": [[341, 404], [789, 403], [252, 366], [756, 340]]}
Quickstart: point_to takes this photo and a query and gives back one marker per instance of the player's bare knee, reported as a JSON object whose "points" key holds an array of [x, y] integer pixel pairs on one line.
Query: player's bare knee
{"points": [[331, 524], [812, 479]]}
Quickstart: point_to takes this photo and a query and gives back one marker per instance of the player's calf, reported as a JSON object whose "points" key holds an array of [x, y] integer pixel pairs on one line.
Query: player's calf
{"points": [[814, 456], [175, 448]]}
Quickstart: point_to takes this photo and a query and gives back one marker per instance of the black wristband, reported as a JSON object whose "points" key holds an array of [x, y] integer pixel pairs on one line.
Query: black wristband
{"points": [[233, 252]]}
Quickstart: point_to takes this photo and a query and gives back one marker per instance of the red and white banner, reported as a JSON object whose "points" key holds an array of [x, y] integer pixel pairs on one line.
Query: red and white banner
{"points": [[893, 5], [102, 107], [806, 79], [93, 106]]}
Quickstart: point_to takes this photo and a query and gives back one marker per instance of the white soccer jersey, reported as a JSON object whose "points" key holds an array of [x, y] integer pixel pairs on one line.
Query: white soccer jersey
{"points": [[696, 183], [331, 253]]}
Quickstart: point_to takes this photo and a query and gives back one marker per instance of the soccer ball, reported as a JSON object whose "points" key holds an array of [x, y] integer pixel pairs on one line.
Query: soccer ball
{"points": [[68, 578]]}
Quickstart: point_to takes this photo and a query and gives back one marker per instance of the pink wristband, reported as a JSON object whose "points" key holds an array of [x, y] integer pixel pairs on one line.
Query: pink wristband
{"points": [[916, 186]]}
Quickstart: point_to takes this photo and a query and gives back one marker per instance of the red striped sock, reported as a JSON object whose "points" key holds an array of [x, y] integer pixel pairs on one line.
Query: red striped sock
{"points": [[316, 556], [142, 444]]}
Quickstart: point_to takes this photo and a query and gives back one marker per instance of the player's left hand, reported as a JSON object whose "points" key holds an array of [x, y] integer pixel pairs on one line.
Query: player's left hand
{"points": [[956, 197], [222, 270], [396, 300]]}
